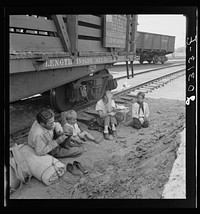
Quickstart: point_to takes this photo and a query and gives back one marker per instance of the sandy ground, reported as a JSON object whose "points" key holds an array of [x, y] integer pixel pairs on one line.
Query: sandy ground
{"points": [[176, 186], [140, 167]]}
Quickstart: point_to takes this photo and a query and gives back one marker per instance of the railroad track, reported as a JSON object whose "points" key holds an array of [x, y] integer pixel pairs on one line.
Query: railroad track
{"points": [[126, 96], [86, 112], [151, 70]]}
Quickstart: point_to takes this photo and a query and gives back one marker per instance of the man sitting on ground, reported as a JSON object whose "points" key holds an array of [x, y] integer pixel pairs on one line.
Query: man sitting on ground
{"points": [[42, 133]]}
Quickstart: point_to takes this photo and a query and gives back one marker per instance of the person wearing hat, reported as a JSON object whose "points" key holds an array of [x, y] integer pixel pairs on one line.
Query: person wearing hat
{"points": [[140, 112], [106, 110]]}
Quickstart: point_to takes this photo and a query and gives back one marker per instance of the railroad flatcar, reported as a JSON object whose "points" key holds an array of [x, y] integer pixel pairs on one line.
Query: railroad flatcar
{"points": [[68, 55], [153, 47]]}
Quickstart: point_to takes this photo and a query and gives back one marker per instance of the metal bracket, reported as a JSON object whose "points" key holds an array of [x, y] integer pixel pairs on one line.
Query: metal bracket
{"points": [[38, 62]]}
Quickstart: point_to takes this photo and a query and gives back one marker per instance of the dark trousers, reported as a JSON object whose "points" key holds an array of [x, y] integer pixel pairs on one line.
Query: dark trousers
{"points": [[106, 121], [137, 124], [63, 150]]}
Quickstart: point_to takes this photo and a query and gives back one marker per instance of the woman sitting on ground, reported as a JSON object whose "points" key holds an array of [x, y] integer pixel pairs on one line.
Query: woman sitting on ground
{"points": [[140, 112], [105, 107]]}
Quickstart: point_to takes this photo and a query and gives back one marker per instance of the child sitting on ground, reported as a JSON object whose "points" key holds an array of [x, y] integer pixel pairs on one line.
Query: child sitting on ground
{"points": [[69, 121], [107, 115], [140, 112]]}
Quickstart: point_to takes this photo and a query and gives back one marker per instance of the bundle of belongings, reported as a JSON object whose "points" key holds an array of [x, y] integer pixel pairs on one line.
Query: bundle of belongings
{"points": [[25, 163], [19, 169]]}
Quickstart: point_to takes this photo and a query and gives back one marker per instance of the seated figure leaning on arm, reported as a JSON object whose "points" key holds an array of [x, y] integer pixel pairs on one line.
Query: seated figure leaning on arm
{"points": [[106, 109], [41, 137], [69, 121], [140, 112]]}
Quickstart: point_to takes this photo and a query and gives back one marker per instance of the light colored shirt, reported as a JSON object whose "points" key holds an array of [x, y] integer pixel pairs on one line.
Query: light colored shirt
{"points": [[101, 106], [75, 128], [139, 114], [41, 139]]}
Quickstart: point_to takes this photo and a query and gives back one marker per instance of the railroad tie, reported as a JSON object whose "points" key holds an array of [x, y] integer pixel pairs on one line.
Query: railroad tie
{"points": [[130, 94], [141, 90], [91, 111], [125, 98], [84, 117], [118, 100], [146, 88], [156, 85]]}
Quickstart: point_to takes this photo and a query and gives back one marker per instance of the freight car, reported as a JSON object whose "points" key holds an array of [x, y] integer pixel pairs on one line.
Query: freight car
{"points": [[153, 47], [68, 55]]}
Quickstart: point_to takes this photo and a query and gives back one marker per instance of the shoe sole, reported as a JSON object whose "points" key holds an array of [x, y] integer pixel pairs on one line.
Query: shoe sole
{"points": [[84, 171]]}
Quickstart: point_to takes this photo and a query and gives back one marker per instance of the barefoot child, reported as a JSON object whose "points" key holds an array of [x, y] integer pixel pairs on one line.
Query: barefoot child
{"points": [[69, 122], [140, 112]]}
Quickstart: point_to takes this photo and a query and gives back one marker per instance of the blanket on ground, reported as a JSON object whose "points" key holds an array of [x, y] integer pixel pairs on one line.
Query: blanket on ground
{"points": [[45, 168]]}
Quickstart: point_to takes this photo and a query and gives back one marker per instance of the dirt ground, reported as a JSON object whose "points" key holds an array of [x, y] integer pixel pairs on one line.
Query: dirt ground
{"points": [[136, 168]]}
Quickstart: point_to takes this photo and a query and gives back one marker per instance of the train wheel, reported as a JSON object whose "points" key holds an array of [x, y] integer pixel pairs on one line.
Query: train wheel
{"points": [[141, 61], [163, 59], [155, 59], [59, 98]]}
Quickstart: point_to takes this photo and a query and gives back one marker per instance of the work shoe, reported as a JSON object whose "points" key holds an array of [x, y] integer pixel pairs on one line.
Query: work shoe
{"points": [[80, 167], [73, 170], [114, 134], [108, 137]]}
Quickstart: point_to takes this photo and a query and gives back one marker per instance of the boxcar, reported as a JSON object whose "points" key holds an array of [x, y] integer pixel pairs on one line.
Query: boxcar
{"points": [[153, 47], [68, 55]]}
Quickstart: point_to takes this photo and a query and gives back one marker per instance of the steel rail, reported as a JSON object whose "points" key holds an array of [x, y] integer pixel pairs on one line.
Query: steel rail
{"points": [[151, 70]]}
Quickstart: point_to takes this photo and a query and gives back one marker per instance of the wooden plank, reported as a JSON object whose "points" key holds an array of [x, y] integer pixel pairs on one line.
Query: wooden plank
{"points": [[91, 111], [127, 44], [115, 31], [90, 45], [125, 98], [26, 42], [30, 22], [72, 28], [117, 100], [90, 19], [61, 27], [88, 31]]}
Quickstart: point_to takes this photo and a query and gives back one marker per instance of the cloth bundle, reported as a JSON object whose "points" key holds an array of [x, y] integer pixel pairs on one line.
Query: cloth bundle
{"points": [[19, 169], [45, 168]]}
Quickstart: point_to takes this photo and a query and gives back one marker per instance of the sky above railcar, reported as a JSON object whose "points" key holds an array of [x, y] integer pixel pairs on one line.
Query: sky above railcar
{"points": [[173, 25]]}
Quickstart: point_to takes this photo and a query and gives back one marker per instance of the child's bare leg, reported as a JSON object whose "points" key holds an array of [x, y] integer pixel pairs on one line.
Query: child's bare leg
{"points": [[90, 137], [76, 139], [86, 134]]}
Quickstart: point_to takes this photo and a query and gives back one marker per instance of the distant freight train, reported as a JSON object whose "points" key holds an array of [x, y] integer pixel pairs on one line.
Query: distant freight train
{"points": [[69, 55], [153, 47]]}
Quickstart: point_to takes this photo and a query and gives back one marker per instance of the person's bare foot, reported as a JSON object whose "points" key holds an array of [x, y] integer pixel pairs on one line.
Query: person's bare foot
{"points": [[98, 140]]}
